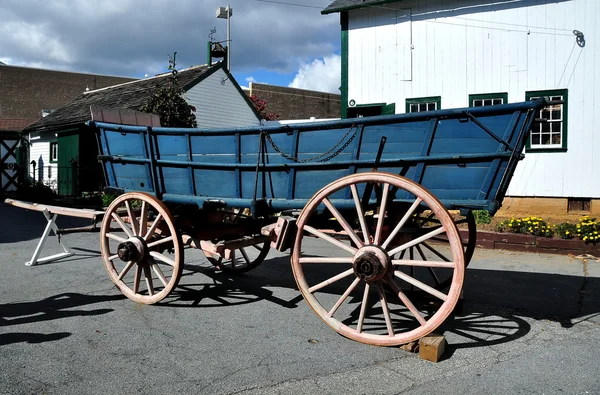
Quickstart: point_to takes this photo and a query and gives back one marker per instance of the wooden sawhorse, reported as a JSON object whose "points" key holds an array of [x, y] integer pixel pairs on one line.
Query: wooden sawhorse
{"points": [[51, 213]]}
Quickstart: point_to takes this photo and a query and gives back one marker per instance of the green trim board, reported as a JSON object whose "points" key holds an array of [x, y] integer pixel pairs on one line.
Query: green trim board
{"points": [[488, 96], [344, 76], [565, 116], [419, 100], [357, 4]]}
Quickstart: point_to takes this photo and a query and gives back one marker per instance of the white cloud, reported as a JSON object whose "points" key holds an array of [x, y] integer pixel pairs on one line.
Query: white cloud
{"points": [[320, 75]]}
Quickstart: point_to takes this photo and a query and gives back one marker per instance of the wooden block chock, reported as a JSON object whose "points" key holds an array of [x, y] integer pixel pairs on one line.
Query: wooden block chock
{"points": [[431, 347]]}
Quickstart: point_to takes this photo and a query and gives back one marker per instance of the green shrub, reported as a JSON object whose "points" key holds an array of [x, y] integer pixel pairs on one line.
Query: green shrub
{"points": [[566, 230], [482, 217], [588, 229], [529, 225], [108, 198]]}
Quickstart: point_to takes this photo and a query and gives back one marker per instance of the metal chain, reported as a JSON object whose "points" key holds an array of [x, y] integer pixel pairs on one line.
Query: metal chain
{"points": [[324, 157]]}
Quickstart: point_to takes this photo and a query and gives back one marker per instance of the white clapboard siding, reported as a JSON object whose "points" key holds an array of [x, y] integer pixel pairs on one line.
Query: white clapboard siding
{"points": [[40, 148], [488, 47], [220, 104]]}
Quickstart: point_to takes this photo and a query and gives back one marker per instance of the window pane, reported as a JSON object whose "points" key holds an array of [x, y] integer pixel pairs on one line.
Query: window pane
{"points": [[414, 108], [556, 139], [535, 139], [497, 101], [545, 138]]}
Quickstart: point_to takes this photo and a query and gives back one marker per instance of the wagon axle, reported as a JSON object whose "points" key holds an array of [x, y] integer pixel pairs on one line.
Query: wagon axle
{"points": [[371, 263], [132, 249]]}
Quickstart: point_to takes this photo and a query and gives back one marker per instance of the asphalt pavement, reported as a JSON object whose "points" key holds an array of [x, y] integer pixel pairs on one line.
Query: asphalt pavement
{"points": [[529, 325]]}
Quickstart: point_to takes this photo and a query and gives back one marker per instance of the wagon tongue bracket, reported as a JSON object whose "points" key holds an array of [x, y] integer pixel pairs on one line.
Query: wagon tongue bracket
{"points": [[132, 250], [371, 263]]}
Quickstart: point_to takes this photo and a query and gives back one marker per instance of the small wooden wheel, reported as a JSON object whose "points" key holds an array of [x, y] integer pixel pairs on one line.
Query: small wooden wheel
{"points": [[139, 240], [350, 276], [243, 259]]}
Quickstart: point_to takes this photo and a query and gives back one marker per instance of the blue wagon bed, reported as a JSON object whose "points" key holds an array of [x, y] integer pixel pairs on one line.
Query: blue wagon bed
{"points": [[375, 189]]}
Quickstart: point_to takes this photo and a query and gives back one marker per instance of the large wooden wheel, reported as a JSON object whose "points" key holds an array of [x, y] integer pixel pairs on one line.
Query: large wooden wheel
{"points": [[141, 248], [354, 279]]}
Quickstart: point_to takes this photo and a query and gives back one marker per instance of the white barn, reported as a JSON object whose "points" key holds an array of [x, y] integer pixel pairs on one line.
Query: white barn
{"points": [[419, 55], [62, 138]]}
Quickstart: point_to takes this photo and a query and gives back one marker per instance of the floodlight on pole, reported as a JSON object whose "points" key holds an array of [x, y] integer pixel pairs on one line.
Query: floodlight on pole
{"points": [[226, 13]]}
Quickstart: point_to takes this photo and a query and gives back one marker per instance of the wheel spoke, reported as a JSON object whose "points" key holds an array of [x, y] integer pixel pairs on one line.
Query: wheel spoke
{"points": [[344, 297], [161, 257], [342, 221], [132, 218], [416, 241], [257, 247], [361, 214], [408, 262], [153, 226], [161, 241], [436, 252], [421, 285], [113, 257], [432, 272], [409, 305], [143, 219], [405, 218], [245, 255], [148, 278], [126, 269], [330, 239], [136, 279], [116, 238], [382, 211], [158, 272], [386, 309], [122, 225], [327, 260], [232, 258], [363, 309], [331, 280]]}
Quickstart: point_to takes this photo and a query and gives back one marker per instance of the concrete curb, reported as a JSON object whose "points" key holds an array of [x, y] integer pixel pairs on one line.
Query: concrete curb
{"points": [[530, 243]]}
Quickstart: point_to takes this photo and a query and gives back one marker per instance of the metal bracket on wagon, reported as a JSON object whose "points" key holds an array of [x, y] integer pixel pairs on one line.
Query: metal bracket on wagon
{"points": [[282, 233]]}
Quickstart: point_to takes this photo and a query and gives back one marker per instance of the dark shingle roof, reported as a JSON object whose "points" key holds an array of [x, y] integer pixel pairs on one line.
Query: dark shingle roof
{"points": [[131, 95], [345, 5]]}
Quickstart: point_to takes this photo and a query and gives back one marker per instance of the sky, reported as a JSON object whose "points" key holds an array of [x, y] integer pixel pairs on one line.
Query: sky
{"points": [[278, 42]]}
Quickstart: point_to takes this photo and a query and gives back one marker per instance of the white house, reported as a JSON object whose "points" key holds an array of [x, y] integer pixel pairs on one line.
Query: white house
{"points": [[419, 55], [62, 139]]}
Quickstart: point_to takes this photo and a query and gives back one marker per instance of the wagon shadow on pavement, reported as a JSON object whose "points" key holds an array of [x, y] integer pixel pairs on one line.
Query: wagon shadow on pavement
{"points": [[496, 308], [52, 308]]}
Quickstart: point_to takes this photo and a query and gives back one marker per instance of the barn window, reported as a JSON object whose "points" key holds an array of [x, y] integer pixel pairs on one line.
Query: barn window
{"points": [[53, 152], [549, 130], [488, 99], [420, 104]]}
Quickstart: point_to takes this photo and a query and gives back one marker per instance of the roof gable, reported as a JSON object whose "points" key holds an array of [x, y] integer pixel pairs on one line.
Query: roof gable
{"points": [[130, 95]]}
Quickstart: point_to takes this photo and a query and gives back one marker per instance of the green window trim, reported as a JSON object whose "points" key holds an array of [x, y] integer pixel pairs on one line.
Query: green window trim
{"points": [[565, 118], [418, 100], [484, 96], [53, 144]]}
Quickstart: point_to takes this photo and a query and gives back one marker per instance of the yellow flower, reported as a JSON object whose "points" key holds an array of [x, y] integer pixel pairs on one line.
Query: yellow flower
{"points": [[567, 232], [584, 237]]}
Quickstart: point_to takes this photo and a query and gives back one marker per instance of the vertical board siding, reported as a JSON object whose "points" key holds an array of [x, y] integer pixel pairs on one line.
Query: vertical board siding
{"points": [[40, 148], [220, 104], [473, 47]]}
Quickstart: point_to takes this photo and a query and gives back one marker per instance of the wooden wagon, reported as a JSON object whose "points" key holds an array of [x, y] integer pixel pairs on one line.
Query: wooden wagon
{"points": [[370, 207]]}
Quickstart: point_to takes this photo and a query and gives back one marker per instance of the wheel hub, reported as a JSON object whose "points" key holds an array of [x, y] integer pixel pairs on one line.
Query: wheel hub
{"points": [[134, 249], [371, 263]]}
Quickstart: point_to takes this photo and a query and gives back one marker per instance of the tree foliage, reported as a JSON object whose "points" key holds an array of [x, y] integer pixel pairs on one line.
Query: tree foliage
{"points": [[261, 106], [168, 103]]}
